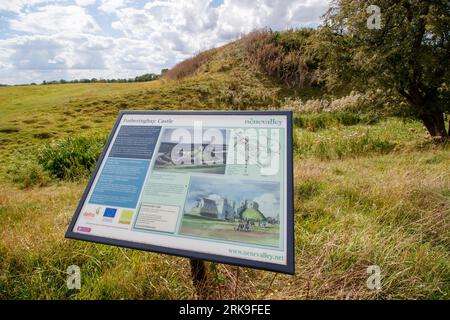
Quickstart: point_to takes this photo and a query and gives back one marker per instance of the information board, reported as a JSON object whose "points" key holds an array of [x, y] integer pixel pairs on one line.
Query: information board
{"points": [[215, 186]]}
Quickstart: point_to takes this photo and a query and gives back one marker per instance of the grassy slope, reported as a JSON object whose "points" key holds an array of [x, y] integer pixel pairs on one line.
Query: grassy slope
{"points": [[358, 202]]}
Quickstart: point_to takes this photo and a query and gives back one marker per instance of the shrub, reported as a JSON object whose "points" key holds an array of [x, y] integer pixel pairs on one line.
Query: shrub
{"points": [[281, 56], [312, 122], [71, 158], [26, 172]]}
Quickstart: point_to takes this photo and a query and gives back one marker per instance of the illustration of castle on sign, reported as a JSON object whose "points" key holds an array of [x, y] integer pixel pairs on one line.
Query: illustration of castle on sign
{"points": [[224, 209]]}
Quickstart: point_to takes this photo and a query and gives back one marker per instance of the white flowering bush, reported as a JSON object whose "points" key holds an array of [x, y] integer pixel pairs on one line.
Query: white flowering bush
{"points": [[353, 102]]}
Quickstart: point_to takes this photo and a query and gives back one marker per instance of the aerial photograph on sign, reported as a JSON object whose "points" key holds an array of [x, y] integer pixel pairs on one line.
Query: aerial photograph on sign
{"points": [[178, 152]]}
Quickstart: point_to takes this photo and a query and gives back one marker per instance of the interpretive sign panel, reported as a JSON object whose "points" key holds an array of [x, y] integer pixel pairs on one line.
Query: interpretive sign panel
{"points": [[215, 186]]}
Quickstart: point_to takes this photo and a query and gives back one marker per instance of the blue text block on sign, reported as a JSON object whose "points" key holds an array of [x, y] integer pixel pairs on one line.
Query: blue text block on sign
{"points": [[137, 142], [120, 183]]}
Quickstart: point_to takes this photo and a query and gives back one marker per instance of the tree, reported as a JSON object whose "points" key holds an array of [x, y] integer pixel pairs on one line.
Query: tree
{"points": [[146, 77], [409, 51]]}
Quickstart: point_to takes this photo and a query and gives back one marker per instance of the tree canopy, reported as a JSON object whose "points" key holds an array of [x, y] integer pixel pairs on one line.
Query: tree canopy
{"points": [[408, 52]]}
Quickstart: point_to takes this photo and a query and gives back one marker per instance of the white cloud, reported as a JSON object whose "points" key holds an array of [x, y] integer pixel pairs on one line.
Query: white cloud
{"points": [[268, 204], [123, 38], [191, 26], [85, 3], [18, 5], [57, 52], [78, 56], [55, 19], [110, 6]]}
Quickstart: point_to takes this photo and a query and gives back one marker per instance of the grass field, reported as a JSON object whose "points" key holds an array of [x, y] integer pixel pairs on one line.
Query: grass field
{"points": [[366, 193]]}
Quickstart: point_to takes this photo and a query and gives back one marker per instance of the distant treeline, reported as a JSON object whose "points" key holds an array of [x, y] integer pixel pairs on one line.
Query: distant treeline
{"points": [[142, 78]]}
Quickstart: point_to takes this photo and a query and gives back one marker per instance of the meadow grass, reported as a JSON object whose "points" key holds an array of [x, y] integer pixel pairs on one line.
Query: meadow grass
{"points": [[386, 210], [366, 192]]}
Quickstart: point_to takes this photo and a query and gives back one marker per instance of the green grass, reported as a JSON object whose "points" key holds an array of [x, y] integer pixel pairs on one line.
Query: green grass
{"points": [[209, 228], [366, 192], [390, 135], [318, 121]]}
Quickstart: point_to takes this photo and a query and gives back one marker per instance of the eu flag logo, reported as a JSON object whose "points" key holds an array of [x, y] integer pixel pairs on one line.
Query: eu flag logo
{"points": [[110, 212]]}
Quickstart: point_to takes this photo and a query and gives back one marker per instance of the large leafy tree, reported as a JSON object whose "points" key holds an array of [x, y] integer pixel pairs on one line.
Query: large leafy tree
{"points": [[409, 52]]}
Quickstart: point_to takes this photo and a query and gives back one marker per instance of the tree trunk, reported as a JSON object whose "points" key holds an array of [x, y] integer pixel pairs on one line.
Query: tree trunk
{"points": [[425, 108], [435, 124]]}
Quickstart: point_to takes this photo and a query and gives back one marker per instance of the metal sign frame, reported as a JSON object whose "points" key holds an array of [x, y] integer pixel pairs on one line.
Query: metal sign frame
{"points": [[288, 268]]}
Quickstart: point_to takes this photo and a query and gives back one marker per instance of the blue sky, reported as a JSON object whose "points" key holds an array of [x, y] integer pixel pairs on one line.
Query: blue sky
{"points": [[72, 39]]}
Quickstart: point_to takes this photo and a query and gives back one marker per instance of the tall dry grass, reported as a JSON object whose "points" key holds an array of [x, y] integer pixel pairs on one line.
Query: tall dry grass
{"points": [[188, 67], [282, 56], [380, 101], [389, 210]]}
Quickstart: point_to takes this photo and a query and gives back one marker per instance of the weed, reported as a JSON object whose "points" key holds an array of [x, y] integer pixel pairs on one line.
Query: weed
{"points": [[25, 172]]}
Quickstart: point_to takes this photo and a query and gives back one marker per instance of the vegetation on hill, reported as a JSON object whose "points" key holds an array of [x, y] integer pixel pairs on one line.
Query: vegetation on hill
{"points": [[284, 56], [188, 67], [372, 187]]}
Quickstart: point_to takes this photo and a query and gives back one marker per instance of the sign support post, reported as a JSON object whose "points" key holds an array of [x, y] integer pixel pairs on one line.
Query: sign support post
{"points": [[199, 277]]}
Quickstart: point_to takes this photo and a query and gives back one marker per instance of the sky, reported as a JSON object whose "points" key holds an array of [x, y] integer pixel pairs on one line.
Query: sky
{"points": [[73, 39]]}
